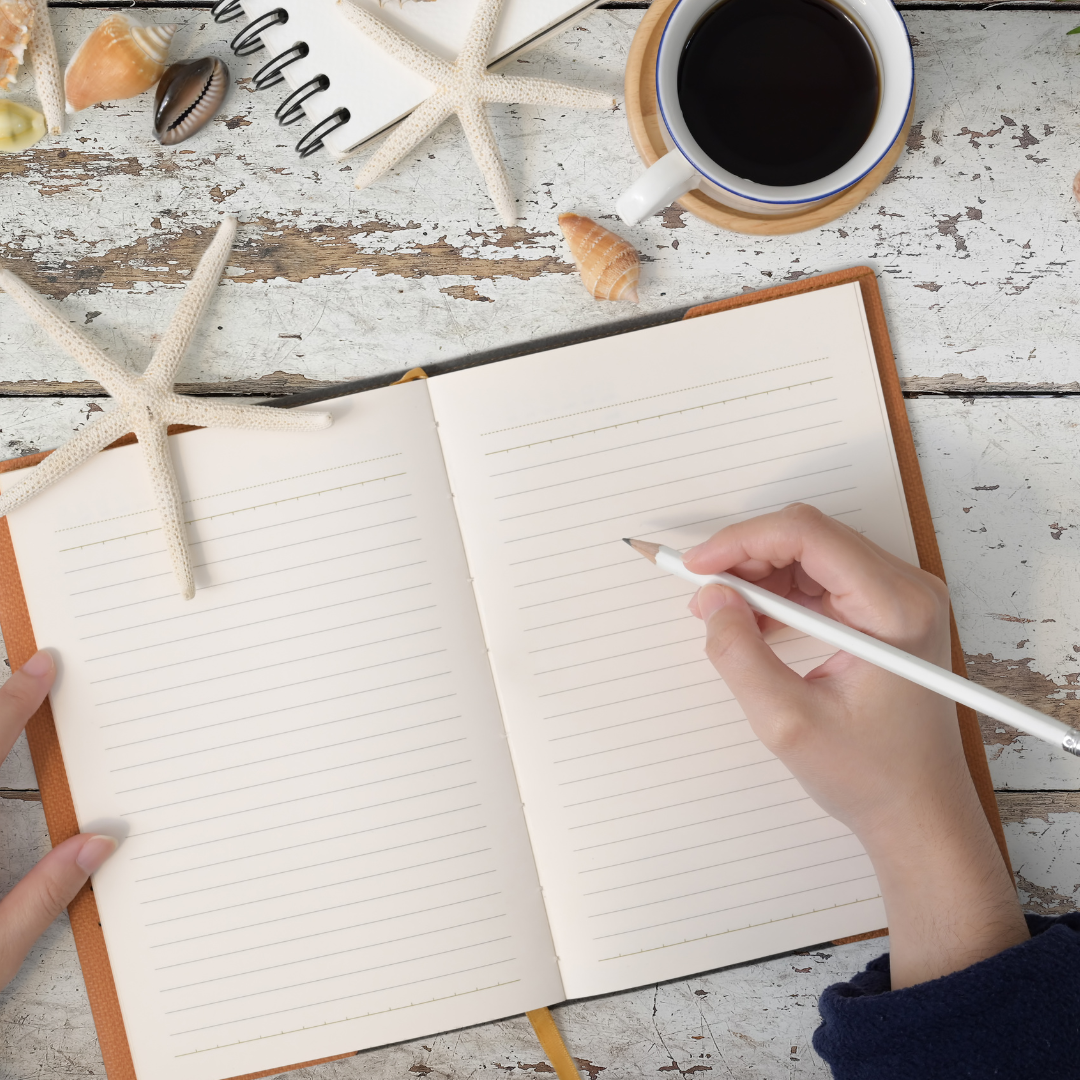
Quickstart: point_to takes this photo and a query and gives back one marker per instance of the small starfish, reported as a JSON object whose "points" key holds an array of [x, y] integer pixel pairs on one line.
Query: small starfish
{"points": [[463, 88], [147, 404]]}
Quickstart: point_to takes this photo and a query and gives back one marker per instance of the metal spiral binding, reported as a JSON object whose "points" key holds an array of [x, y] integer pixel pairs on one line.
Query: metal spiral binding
{"points": [[249, 41], [312, 140], [271, 74], [226, 10]]}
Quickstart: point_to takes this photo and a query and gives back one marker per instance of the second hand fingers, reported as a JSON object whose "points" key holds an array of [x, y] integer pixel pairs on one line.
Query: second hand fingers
{"points": [[21, 695]]}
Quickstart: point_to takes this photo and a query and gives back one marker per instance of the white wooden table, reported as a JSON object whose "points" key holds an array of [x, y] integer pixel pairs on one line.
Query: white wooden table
{"points": [[974, 237]]}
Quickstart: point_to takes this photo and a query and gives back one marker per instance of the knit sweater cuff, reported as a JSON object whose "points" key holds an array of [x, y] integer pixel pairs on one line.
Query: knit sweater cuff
{"points": [[1012, 1015]]}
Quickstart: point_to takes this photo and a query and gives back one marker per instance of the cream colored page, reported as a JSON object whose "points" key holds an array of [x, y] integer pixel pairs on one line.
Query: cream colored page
{"points": [[668, 839], [326, 848]]}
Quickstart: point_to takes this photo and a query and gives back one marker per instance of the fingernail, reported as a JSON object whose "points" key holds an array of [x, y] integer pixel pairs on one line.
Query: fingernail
{"points": [[95, 851], [41, 663], [710, 600], [691, 552]]}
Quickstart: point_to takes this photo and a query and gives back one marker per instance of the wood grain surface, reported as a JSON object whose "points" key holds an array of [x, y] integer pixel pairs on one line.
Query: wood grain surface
{"points": [[973, 235]]}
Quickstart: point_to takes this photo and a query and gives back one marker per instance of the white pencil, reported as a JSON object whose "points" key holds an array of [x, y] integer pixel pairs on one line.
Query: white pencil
{"points": [[855, 642]]}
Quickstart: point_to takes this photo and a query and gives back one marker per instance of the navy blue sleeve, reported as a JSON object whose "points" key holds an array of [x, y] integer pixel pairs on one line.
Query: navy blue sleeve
{"points": [[1015, 1015]]}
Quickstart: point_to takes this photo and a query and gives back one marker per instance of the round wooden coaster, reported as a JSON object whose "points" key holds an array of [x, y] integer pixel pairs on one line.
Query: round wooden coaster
{"points": [[643, 115]]}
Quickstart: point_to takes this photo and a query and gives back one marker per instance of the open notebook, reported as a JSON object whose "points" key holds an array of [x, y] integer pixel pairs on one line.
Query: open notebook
{"points": [[430, 746]]}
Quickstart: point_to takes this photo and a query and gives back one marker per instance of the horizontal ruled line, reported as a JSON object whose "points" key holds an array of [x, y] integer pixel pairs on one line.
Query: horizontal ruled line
{"points": [[299, 798], [735, 907], [680, 480], [658, 416], [695, 824], [320, 933], [667, 783], [282, 686], [365, 993], [729, 885], [663, 438], [340, 952], [256, 599], [333, 978], [348, 1019], [749, 926], [232, 513], [713, 843], [662, 761], [329, 885], [287, 779], [682, 502], [655, 397], [679, 457], [305, 843], [324, 862], [291, 755]]}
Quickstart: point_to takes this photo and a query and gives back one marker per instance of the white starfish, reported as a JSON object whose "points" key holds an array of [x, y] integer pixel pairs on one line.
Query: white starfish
{"points": [[463, 87], [47, 76], [146, 404]]}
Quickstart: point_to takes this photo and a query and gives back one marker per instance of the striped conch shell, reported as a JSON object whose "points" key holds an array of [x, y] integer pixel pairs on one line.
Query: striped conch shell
{"points": [[119, 59], [608, 265], [16, 24]]}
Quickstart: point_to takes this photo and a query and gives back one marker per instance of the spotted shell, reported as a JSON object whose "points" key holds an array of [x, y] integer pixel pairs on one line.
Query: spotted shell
{"points": [[608, 265], [120, 59], [188, 96], [16, 24]]}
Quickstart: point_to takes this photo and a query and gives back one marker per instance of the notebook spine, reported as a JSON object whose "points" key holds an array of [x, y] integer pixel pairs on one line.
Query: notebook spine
{"points": [[249, 41]]}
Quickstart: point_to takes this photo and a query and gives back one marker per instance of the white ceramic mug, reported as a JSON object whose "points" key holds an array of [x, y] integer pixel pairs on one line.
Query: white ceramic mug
{"points": [[686, 167]]}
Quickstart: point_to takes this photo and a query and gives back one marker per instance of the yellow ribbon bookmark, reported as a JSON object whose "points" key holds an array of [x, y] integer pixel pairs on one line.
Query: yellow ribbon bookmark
{"points": [[552, 1044]]}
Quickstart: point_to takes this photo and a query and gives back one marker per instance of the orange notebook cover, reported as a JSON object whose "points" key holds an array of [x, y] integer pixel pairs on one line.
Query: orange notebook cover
{"points": [[45, 749]]}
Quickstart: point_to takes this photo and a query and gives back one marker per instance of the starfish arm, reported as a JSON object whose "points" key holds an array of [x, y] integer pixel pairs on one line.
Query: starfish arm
{"points": [[68, 337], [474, 53], [186, 410], [425, 64], [47, 76], [511, 89], [481, 139], [89, 441], [409, 133], [155, 448], [197, 296]]}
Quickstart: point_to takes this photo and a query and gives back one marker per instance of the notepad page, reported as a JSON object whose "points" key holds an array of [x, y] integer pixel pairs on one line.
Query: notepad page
{"points": [[326, 849], [668, 839]]}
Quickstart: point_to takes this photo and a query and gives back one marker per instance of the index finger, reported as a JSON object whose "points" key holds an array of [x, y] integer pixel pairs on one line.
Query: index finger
{"points": [[861, 581], [21, 695]]}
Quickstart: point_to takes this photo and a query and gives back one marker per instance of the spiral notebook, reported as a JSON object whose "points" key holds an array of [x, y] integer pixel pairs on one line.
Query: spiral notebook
{"points": [[343, 72], [430, 745]]}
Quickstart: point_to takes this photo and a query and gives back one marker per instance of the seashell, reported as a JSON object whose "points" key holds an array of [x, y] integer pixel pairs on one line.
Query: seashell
{"points": [[188, 96], [609, 266], [16, 24], [20, 126], [119, 59]]}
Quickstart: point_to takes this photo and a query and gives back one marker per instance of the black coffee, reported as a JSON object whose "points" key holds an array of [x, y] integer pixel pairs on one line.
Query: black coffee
{"points": [[779, 92]]}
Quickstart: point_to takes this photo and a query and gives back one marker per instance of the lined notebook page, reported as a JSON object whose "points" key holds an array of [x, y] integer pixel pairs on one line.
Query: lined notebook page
{"points": [[668, 839], [326, 847]]}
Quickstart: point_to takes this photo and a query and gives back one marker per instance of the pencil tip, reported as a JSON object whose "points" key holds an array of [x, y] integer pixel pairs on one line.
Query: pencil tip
{"points": [[627, 540], [643, 547]]}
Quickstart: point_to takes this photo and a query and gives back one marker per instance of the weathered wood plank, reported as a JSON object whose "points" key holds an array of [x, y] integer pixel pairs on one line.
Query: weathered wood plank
{"points": [[1000, 477], [972, 235]]}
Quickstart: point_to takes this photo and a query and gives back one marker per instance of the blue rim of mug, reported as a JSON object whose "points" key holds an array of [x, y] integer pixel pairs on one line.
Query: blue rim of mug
{"points": [[781, 202]]}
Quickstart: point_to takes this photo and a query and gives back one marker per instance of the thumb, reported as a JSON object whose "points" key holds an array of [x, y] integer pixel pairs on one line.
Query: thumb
{"points": [[27, 911], [764, 685]]}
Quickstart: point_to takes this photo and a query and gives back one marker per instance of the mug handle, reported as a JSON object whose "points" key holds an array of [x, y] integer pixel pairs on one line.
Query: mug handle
{"points": [[662, 182]]}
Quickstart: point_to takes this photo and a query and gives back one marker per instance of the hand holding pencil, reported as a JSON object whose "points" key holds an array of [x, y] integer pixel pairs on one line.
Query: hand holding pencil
{"points": [[878, 752]]}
